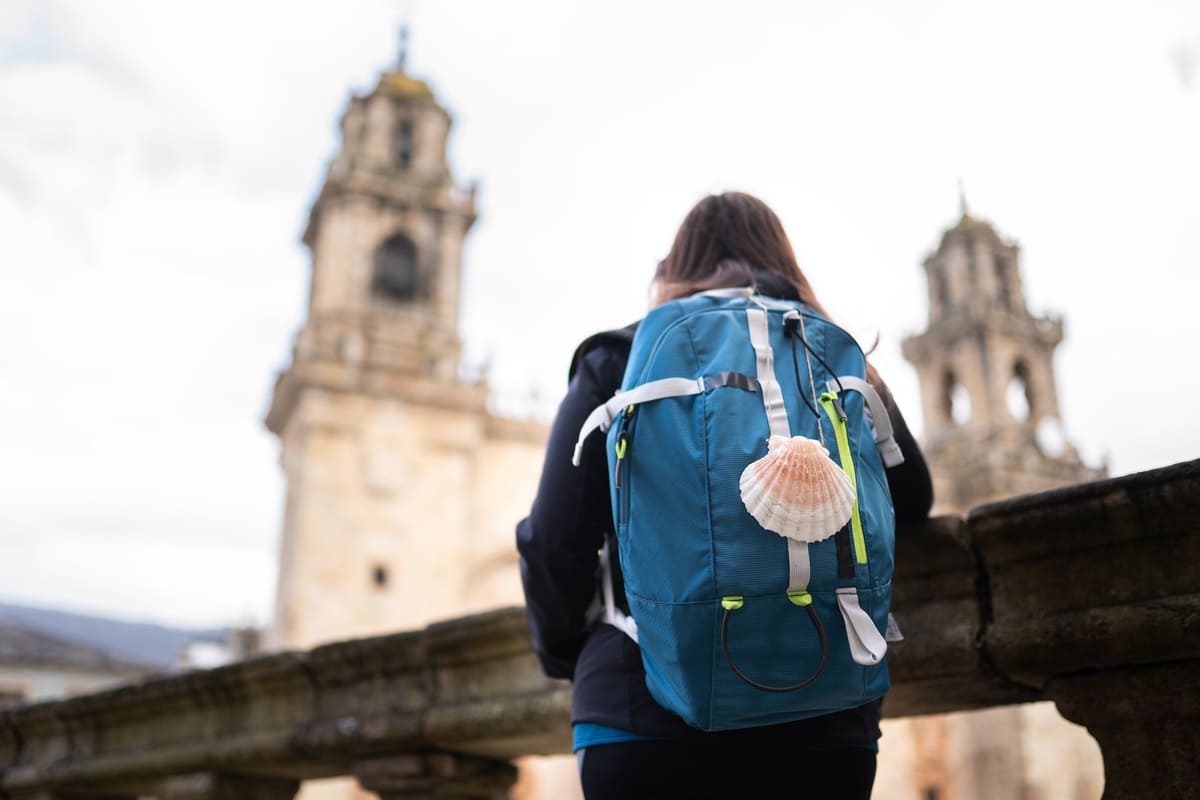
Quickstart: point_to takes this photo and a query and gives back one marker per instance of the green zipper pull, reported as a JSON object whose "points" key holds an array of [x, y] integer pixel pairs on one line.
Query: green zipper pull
{"points": [[624, 437]]}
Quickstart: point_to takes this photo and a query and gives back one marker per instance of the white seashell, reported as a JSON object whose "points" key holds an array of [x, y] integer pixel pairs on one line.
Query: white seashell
{"points": [[797, 491]]}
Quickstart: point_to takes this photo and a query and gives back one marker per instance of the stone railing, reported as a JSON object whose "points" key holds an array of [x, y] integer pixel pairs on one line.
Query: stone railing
{"points": [[1087, 596]]}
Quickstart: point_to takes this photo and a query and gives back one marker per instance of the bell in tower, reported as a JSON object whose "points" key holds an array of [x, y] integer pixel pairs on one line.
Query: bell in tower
{"points": [[986, 368]]}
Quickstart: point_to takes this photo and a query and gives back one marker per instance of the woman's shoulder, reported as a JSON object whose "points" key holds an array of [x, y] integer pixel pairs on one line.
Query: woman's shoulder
{"points": [[617, 342]]}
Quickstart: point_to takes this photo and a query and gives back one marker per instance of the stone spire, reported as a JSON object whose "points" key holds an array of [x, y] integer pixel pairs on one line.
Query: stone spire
{"points": [[401, 60]]}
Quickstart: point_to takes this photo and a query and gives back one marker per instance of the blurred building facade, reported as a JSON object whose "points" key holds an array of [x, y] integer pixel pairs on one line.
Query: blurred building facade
{"points": [[403, 488], [47, 654], [36, 666]]}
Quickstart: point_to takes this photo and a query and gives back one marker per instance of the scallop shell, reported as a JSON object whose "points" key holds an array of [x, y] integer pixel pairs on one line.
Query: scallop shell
{"points": [[797, 491]]}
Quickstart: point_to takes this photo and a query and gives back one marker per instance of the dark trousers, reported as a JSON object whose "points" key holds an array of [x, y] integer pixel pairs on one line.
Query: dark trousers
{"points": [[661, 770]]}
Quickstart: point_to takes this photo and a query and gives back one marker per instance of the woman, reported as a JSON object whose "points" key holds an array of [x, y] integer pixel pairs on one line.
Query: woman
{"points": [[627, 745]]}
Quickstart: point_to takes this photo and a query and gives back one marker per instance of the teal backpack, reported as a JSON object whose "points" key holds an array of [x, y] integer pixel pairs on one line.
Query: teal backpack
{"points": [[759, 580]]}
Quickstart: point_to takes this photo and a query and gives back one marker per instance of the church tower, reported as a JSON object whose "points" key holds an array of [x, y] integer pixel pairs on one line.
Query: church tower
{"points": [[992, 430], [398, 479], [986, 370]]}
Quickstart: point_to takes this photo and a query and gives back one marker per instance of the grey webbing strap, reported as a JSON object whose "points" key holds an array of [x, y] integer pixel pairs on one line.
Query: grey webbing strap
{"points": [[881, 423], [733, 291], [760, 339], [867, 646], [747, 292], [734, 380], [798, 566], [613, 615], [799, 569], [602, 416]]}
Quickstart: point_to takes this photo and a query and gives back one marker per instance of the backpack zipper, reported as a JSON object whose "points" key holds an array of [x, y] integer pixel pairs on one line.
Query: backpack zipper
{"points": [[623, 446], [837, 416], [688, 316]]}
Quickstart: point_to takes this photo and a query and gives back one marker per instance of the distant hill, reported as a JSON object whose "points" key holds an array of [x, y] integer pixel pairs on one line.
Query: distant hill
{"points": [[140, 642]]}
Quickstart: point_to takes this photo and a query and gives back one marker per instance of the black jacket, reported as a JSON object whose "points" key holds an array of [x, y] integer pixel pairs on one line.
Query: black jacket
{"points": [[558, 544]]}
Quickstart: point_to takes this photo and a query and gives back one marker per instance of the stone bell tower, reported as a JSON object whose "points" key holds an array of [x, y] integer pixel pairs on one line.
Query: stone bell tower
{"points": [[399, 481], [992, 430], [986, 369]]}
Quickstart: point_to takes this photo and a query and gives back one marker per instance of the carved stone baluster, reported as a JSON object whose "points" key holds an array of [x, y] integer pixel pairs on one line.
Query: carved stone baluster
{"points": [[437, 776], [215, 786]]}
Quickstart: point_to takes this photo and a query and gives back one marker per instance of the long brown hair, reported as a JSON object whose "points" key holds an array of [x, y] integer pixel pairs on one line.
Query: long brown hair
{"points": [[729, 240]]}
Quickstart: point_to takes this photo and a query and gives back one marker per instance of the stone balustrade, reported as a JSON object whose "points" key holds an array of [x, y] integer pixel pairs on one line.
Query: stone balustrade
{"points": [[1088, 596]]}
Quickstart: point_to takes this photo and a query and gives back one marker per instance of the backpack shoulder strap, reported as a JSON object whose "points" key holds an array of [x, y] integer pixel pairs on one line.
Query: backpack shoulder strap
{"points": [[620, 338]]}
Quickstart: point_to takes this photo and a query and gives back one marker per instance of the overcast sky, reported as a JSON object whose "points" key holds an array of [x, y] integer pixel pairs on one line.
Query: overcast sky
{"points": [[157, 161]]}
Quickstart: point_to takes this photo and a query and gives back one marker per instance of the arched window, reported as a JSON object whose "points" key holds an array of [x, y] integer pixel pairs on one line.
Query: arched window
{"points": [[379, 576], [404, 145], [1001, 272], [942, 282], [956, 402], [396, 269], [1017, 394]]}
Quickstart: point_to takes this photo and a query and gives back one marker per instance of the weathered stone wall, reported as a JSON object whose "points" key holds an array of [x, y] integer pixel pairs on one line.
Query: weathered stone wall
{"points": [[1087, 597], [427, 494]]}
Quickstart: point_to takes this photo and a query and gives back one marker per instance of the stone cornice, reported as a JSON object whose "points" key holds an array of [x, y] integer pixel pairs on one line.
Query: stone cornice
{"points": [[335, 377], [1092, 576], [986, 320], [393, 190]]}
